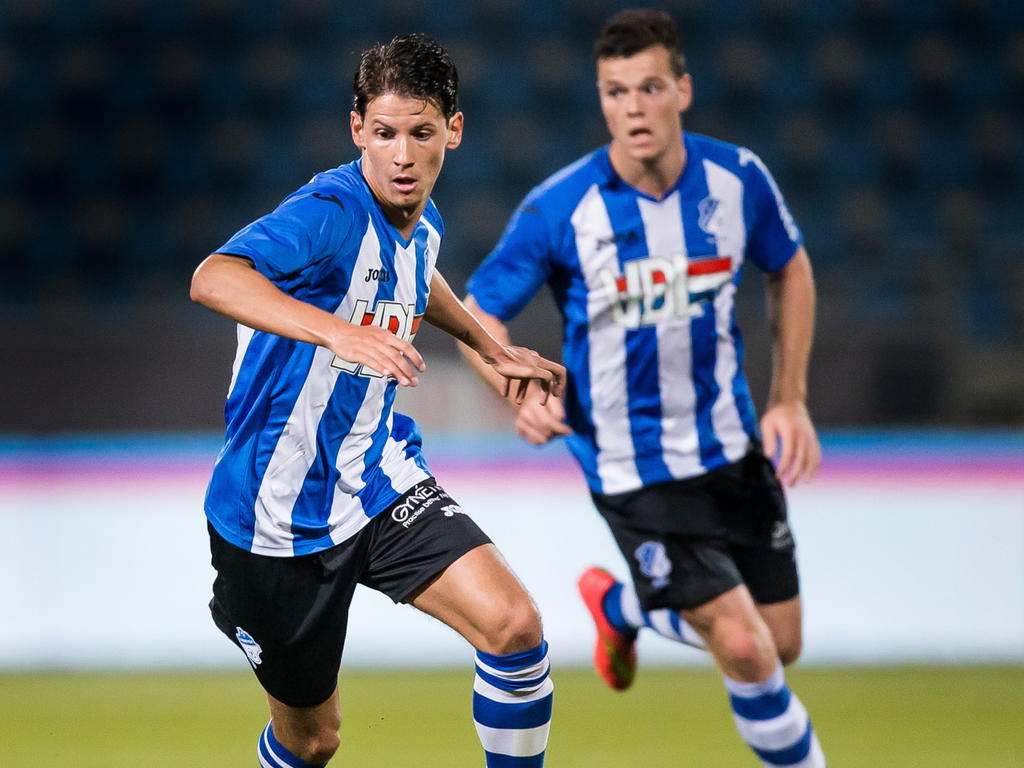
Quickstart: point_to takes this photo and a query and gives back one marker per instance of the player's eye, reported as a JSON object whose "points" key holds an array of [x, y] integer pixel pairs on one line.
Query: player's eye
{"points": [[615, 92], [653, 88]]}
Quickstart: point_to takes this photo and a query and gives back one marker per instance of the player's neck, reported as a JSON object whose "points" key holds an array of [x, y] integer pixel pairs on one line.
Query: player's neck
{"points": [[655, 177], [404, 220]]}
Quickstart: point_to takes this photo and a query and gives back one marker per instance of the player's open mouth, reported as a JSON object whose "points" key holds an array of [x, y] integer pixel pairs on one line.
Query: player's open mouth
{"points": [[639, 133], [404, 183]]}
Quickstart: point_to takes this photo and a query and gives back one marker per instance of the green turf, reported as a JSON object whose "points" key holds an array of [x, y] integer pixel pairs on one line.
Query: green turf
{"points": [[939, 718]]}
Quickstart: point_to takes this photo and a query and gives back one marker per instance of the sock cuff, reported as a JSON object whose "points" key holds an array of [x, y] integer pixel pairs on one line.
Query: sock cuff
{"points": [[514, 662], [773, 684]]}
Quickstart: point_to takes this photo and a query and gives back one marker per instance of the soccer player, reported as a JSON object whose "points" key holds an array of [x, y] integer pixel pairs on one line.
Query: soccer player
{"points": [[643, 243], [320, 485]]}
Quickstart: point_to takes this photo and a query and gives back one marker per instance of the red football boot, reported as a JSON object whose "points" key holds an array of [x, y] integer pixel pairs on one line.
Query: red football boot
{"points": [[614, 651]]}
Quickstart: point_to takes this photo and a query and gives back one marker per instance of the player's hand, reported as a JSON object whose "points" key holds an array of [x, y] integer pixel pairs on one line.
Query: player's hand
{"points": [[378, 349], [787, 427], [522, 365], [538, 421]]}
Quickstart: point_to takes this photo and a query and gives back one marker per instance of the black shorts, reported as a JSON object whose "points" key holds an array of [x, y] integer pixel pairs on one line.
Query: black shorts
{"points": [[289, 614], [688, 541]]}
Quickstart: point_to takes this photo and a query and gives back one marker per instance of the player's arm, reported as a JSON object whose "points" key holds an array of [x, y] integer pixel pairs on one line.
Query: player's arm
{"points": [[232, 286], [539, 419], [786, 424], [505, 362]]}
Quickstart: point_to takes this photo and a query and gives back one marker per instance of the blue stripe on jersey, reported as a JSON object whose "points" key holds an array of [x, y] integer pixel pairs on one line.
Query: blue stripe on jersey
{"points": [[422, 286], [703, 336], [313, 504], [377, 484], [404, 429], [572, 299], [269, 360], [740, 387], [642, 385]]}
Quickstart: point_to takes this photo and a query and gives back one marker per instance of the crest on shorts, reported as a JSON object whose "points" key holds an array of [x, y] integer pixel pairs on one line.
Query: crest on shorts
{"points": [[654, 563], [251, 647]]}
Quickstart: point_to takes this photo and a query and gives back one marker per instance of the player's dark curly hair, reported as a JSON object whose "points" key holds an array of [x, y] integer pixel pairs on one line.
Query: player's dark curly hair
{"points": [[628, 32], [415, 66]]}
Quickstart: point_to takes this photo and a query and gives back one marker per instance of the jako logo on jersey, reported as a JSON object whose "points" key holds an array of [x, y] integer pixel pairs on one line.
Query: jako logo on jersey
{"points": [[251, 647], [400, 319], [658, 288], [654, 562]]}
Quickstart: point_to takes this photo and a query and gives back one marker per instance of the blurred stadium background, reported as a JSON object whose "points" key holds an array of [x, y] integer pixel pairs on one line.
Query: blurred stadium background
{"points": [[137, 136]]}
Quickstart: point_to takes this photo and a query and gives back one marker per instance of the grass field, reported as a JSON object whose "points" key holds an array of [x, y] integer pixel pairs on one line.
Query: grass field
{"points": [[867, 718]]}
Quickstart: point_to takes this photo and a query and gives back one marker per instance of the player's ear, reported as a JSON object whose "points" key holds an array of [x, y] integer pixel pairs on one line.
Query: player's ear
{"points": [[455, 130], [685, 92], [355, 122]]}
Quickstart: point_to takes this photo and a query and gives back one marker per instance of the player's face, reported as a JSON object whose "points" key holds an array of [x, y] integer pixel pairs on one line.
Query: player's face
{"points": [[641, 99], [403, 141]]}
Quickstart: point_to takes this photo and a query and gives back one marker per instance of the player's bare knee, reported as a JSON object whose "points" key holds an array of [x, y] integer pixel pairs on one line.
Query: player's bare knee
{"points": [[789, 650], [744, 653], [518, 630], [320, 746]]}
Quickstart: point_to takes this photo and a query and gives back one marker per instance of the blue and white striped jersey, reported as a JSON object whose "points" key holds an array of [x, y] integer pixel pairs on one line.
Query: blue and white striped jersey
{"points": [[646, 290], [313, 449]]}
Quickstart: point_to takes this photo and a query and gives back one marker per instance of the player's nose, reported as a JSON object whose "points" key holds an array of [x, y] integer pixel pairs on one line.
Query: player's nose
{"points": [[403, 153]]}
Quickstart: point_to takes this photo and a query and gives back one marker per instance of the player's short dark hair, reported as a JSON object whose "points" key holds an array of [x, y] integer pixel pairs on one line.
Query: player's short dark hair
{"points": [[628, 32], [415, 66]]}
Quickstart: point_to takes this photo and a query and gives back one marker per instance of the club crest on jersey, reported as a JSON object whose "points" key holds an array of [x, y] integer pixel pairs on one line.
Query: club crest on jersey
{"points": [[707, 208], [658, 288], [400, 319], [251, 647], [654, 563]]}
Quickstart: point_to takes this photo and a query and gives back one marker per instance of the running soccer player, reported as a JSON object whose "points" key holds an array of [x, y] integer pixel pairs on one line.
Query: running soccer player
{"points": [[642, 243], [320, 485]]}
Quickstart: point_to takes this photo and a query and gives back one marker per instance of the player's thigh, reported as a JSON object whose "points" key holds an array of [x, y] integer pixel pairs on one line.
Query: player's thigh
{"points": [[289, 615], [735, 633], [426, 551], [482, 599], [785, 621]]}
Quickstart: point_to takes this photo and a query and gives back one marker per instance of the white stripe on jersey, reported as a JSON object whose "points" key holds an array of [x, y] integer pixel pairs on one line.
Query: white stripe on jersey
{"points": [[433, 248], [607, 348], [244, 334], [296, 447], [663, 230], [731, 238]]}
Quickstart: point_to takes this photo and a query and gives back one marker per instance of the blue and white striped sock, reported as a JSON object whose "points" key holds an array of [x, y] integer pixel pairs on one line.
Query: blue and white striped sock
{"points": [[512, 707], [622, 608], [774, 723], [272, 755]]}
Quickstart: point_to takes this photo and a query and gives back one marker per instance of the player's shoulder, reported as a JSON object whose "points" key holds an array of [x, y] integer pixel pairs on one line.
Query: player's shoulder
{"points": [[560, 193], [733, 157], [342, 187]]}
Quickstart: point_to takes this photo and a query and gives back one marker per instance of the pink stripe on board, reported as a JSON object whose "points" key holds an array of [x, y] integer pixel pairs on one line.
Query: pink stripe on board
{"points": [[41, 473]]}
